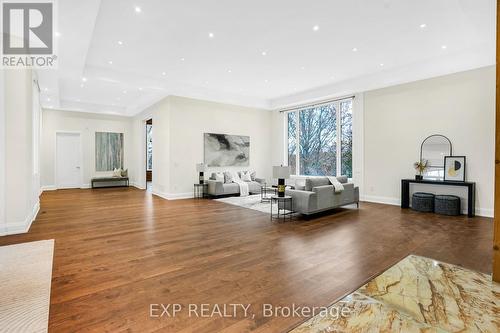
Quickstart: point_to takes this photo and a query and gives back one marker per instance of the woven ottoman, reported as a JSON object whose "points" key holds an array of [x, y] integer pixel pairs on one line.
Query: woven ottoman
{"points": [[447, 205], [422, 202]]}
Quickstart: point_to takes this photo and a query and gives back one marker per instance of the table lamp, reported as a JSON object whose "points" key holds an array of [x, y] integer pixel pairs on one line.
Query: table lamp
{"points": [[281, 172]]}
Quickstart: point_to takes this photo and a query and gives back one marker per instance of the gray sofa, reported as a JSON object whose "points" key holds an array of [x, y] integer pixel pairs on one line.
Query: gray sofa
{"points": [[219, 188], [318, 195]]}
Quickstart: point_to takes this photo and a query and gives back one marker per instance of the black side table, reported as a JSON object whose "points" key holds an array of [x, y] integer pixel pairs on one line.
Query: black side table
{"points": [[200, 191], [265, 192], [285, 207]]}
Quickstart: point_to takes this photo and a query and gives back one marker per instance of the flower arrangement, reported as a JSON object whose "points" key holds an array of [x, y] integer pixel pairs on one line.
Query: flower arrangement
{"points": [[420, 167]]}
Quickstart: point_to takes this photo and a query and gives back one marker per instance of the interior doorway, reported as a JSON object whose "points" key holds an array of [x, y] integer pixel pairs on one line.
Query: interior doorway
{"points": [[68, 160], [149, 154]]}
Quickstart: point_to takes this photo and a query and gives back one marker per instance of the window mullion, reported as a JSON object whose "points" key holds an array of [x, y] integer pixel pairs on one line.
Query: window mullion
{"points": [[339, 140], [297, 137]]}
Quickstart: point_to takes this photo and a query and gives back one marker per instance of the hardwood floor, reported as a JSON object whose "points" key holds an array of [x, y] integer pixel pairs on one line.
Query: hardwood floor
{"points": [[119, 250]]}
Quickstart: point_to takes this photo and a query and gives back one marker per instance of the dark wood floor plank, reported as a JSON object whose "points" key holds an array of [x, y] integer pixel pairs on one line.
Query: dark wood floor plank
{"points": [[119, 250]]}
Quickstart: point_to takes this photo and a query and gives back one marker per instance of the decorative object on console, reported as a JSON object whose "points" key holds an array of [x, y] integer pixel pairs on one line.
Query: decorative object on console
{"points": [[420, 167], [281, 172], [226, 150], [108, 151], [454, 167], [200, 167], [433, 149]]}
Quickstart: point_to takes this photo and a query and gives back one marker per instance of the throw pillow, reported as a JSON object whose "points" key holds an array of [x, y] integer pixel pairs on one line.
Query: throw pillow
{"points": [[219, 176], [253, 175], [245, 176], [117, 172], [125, 173], [228, 177]]}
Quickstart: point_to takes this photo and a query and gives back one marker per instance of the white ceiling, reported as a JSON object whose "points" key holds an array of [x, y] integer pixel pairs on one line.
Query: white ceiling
{"points": [[308, 49]]}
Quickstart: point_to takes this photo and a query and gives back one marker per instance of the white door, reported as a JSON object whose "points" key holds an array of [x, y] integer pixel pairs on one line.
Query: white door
{"points": [[68, 163]]}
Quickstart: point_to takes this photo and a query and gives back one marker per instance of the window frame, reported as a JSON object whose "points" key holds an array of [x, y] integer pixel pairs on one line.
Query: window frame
{"points": [[297, 111]]}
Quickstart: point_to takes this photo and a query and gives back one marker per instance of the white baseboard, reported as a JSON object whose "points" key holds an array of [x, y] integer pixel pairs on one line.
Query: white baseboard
{"points": [[484, 212], [137, 185], [48, 188], [21, 227], [173, 196]]}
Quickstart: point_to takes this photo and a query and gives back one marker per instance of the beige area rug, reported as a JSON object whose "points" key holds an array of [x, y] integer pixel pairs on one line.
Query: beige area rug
{"points": [[416, 295], [25, 277]]}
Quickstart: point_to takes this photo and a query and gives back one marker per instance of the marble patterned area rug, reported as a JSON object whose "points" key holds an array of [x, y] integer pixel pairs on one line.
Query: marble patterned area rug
{"points": [[25, 277], [416, 295], [251, 202]]}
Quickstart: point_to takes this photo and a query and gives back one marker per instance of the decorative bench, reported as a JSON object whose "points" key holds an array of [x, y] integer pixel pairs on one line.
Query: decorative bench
{"points": [[110, 181]]}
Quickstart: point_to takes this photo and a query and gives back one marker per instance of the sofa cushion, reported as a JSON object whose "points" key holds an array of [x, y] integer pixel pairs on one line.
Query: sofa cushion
{"points": [[313, 182], [218, 176], [245, 176], [342, 179]]}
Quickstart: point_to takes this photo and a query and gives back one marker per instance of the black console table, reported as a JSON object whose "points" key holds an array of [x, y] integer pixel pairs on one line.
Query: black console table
{"points": [[471, 192]]}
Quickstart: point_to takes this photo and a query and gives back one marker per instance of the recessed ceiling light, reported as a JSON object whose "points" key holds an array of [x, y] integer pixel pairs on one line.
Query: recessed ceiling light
{"points": [[120, 42], [140, 89], [316, 28], [302, 68], [423, 26], [48, 99], [45, 89], [266, 81], [163, 73], [211, 35], [138, 9], [84, 79], [381, 65], [124, 91], [78, 100], [58, 34], [264, 53], [110, 62], [182, 59], [444, 47], [354, 49], [229, 71]]}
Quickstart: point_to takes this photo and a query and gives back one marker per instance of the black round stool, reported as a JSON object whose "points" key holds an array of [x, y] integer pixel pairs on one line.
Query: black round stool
{"points": [[447, 205], [422, 202]]}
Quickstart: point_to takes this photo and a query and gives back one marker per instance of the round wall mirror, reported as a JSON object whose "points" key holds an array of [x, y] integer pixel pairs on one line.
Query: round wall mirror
{"points": [[433, 149]]}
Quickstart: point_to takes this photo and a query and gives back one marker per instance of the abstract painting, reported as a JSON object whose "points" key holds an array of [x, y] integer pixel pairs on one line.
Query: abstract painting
{"points": [[226, 150], [108, 151], [454, 168]]}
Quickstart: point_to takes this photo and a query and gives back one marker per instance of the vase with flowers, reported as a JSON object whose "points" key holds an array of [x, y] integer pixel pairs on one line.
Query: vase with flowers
{"points": [[420, 168]]}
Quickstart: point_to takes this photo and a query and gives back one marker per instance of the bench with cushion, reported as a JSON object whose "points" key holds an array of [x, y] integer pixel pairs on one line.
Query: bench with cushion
{"points": [[109, 181]]}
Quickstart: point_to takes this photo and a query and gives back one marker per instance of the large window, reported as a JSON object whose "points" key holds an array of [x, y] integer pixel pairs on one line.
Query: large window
{"points": [[320, 140]]}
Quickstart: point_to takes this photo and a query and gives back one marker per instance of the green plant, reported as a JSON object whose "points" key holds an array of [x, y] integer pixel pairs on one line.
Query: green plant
{"points": [[421, 166]]}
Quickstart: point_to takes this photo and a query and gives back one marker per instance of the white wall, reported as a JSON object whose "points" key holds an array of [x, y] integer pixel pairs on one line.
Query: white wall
{"points": [[178, 127], [396, 120], [20, 184], [3, 227], [86, 124]]}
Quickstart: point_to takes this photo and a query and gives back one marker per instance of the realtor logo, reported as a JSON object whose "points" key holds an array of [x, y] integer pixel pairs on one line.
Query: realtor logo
{"points": [[28, 31]]}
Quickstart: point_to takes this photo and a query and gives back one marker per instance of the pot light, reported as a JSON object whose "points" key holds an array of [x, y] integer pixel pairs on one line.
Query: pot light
{"points": [[182, 59], [48, 99], [124, 91], [164, 73], [84, 79], [266, 81], [316, 28], [423, 26], [302, 68], [381, 65], [211, 35], [78, 100], [120, 42], [110, 62], [354, 49], [138, 9], [140, 89], [264, 53], [58, 34], [45, 89], [444, 47], [229, 71]]}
